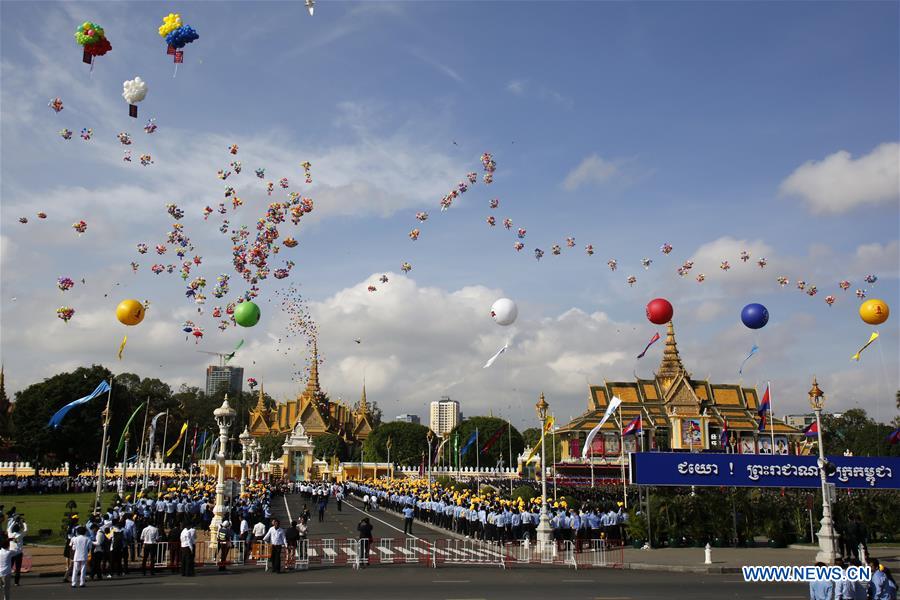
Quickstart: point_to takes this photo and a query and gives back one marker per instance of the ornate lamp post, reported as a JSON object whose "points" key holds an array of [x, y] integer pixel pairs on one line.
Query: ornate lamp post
{"points": [[544, 531], [429, 436], [828, 548], [245, 438], [224, 417], [255, 450]]}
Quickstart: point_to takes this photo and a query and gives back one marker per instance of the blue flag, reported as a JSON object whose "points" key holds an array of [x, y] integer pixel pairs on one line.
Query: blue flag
{"points": [[469, 443], [57, 418]]}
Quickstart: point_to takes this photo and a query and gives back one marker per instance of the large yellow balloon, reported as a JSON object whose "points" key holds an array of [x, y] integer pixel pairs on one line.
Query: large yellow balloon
{"points": [[130, 312], [874, 311]]}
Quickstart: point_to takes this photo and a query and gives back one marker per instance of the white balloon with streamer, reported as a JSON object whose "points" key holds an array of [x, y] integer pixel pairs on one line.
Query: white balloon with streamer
{"points": [[504, 312], [134, 91]]}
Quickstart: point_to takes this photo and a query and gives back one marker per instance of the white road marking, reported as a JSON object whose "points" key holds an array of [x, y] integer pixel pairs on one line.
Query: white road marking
{"points": [[371, 516], [287, 508]]}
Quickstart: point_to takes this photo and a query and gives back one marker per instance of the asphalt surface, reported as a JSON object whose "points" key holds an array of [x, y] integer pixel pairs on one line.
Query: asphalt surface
{"points": [[342, 524], [400, 582]]}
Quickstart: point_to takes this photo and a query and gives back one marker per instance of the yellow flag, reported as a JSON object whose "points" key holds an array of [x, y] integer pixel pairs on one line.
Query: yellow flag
{"points": [[122, 346], [872, 338], [178, 441]]}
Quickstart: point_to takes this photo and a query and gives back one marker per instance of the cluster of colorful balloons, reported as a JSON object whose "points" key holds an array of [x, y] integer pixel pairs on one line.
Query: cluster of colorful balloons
{"points": [[177, 35], [93, 39]]}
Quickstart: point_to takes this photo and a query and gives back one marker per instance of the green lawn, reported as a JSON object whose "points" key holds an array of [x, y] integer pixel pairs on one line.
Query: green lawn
{"points": [[46, 512]]}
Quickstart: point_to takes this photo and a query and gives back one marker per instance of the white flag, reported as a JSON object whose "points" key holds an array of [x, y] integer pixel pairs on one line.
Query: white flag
{"points": [[495, 357], [613, 405]]}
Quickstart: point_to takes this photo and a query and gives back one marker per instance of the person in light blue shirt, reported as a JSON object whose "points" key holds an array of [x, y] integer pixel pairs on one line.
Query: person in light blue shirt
{"points": [[882, 585], [408, 514], [850, 590]]}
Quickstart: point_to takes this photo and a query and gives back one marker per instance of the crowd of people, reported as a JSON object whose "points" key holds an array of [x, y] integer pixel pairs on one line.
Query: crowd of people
{"points": [[489, 516]]}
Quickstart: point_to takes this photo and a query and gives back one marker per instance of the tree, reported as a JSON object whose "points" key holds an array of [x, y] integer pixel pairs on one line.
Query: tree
{"points": [[408, 443], [328, 445], [77, 440], [531, 436], [270, 445], [487, 427], [855, 431]]}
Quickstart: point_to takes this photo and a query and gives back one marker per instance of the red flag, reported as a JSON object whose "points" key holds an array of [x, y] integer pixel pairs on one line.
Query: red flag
{"points": [[493, 440]]}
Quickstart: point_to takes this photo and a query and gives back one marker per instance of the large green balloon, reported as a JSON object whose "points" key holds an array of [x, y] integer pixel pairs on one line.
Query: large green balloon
{"points": [[246, 314]]}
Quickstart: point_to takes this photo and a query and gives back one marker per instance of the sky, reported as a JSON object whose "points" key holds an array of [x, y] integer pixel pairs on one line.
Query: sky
{"points": [[770, 128]]}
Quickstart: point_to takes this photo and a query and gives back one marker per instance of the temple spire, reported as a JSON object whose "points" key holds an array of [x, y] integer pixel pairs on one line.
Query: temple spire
{"points": [[261, 399], [312, 384], [363, 403], [671, 366]]}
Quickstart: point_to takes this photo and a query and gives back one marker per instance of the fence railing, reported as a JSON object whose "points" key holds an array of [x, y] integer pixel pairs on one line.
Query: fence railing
{"points": [[406, 551]]}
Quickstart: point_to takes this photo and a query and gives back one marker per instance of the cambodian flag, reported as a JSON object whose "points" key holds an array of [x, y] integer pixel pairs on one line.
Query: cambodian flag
{"points": [[811, 430], [633, 427], [766, 403], [894, 437]]}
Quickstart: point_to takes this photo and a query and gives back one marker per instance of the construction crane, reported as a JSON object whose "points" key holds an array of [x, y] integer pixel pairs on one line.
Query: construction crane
{"points": [[223, 358]]}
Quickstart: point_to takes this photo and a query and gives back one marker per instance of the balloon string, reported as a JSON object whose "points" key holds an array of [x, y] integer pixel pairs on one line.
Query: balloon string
{"points": [[92, 67], [176, 71]]}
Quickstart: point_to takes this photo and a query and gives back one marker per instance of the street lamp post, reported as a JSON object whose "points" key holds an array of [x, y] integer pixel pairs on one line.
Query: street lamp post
{"points": [[429, 436], [252, 466], [224, 417], [245, 438], [544, 531], [828, 547]]}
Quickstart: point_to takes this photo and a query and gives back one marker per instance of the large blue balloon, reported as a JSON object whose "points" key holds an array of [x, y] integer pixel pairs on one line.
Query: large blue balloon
{"points": [[755, 316]]}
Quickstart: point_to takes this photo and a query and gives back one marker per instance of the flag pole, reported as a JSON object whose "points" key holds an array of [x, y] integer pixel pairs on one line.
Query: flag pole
{"points": [[141, 448], [771, 416], [622, 457], [509, 435], [477, 452], [183, 453], [553, 440], [101, 468], [165, 433]]}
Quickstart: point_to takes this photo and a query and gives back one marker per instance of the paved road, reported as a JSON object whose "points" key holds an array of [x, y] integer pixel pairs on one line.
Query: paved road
{"points": [[343, 524], [420, 583]]}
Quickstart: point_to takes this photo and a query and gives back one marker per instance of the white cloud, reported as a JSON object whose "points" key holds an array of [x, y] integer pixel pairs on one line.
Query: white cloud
{"points": [[591, 171], [839, 182], [516, 86]]}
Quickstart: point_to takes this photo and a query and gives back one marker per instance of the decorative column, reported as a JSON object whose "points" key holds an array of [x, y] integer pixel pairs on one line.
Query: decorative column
{"points": [[224, 416], [544, 532], [829, 551], [245, 438]]}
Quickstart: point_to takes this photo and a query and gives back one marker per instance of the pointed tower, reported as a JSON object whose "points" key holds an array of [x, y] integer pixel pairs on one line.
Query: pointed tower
{"points": [[312, 384], [4, 404], [363, 403], [671, 366], [261, 400]]}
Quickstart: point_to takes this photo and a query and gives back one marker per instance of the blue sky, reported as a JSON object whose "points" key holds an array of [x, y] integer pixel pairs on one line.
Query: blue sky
{"points": [[691, 124]]}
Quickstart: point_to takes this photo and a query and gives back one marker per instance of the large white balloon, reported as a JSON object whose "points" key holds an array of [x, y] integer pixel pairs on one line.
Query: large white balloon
{"points": [[504, 311], [134, 90]]}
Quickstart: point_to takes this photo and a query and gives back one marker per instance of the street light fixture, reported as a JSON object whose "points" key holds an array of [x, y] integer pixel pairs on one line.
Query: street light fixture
{"points": [[544, 531], [828, 548], [245, 438], [224, 416]]}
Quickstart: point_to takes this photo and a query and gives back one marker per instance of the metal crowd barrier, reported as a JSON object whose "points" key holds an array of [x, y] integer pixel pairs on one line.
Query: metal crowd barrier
{"points": [[388, 551]]}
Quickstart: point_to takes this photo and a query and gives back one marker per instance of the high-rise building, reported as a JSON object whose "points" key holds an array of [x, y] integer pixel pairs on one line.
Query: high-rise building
{"points": [[407, 418], [216, 377], [800, 421], [444, 415]]}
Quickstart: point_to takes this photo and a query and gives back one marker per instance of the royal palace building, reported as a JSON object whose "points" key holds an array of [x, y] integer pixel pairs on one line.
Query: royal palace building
{"points": [[678, 413]]}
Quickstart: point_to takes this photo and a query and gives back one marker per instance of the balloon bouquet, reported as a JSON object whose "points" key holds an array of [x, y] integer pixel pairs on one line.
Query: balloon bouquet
{"points": [[177, 36], [93, 40], [134, 91]]}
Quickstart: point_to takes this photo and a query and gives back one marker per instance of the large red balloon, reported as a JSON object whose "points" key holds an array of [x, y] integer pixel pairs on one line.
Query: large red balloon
{"points": [[660, 311]]}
